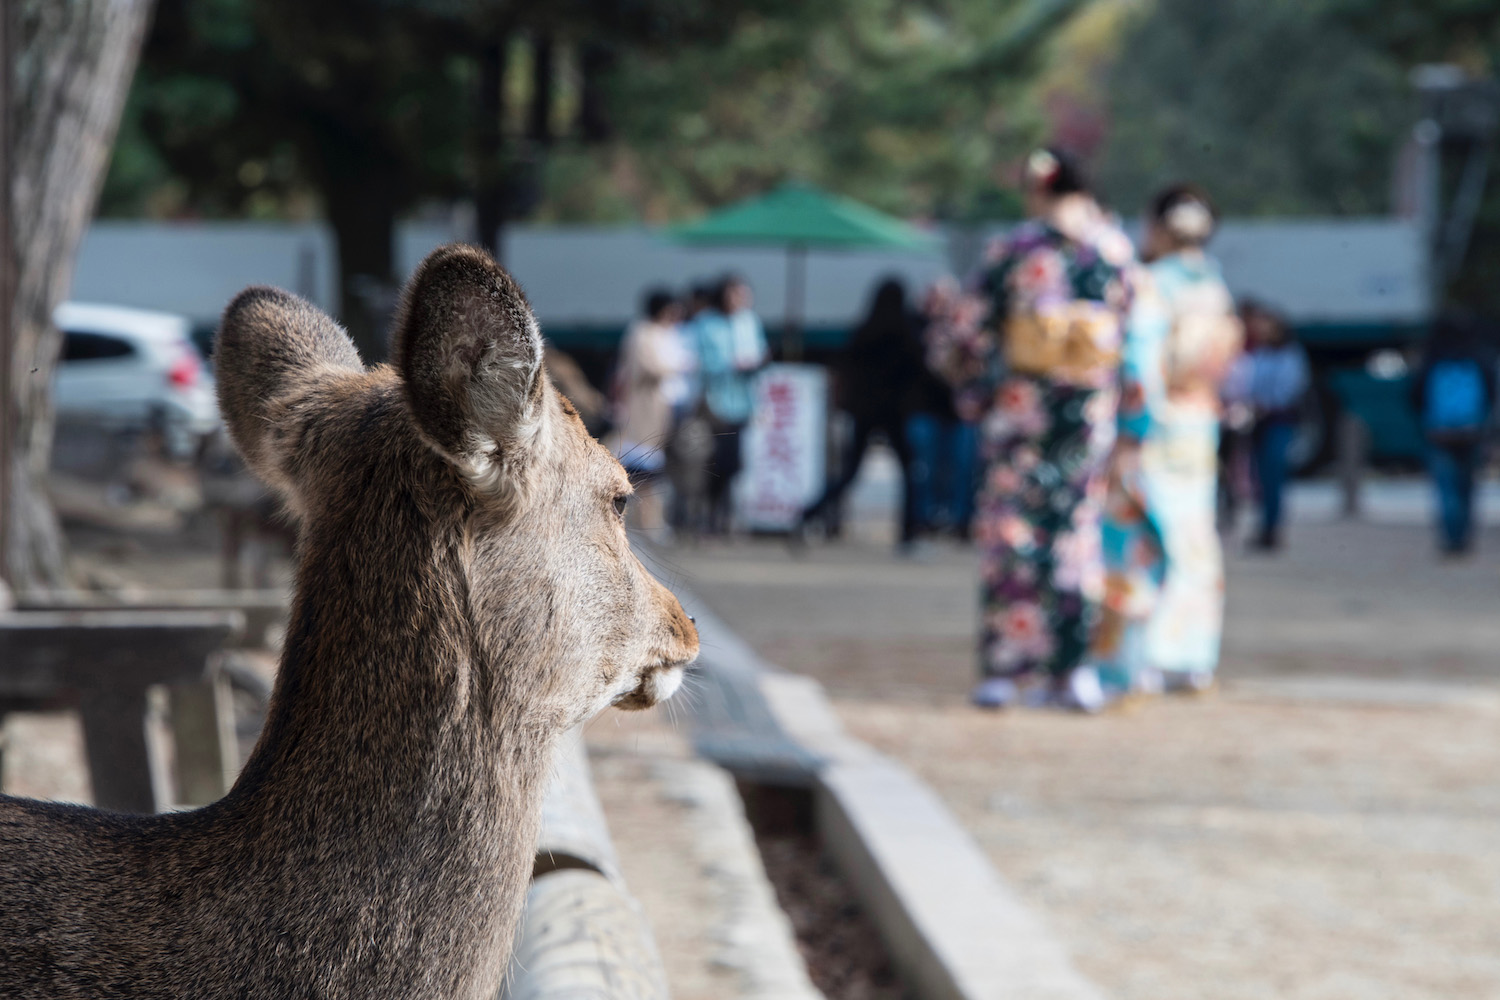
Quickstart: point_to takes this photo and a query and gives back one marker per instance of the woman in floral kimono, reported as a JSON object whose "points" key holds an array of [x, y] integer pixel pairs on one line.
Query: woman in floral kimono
{"points": [[1058, 292], [1164, 582]]}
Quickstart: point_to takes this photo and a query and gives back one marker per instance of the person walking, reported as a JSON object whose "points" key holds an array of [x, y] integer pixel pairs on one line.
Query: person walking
{"points": [[1058, 290], [731, 347], [1279, 379], [651, 384], [1164, 577], [691, 450], [1454, 396], [874, 380], [941, 434]]}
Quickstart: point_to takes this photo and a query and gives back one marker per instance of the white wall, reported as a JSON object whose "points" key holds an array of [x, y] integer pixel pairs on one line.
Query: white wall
{"points": [[196, 268], [1347, 271]]}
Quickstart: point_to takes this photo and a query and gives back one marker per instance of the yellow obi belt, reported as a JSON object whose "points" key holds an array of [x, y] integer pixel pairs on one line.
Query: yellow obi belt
{"points": [[1075, 343]]}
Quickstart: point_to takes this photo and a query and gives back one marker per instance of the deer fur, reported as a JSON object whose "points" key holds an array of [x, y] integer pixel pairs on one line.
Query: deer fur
{"points": [[465, 594]]}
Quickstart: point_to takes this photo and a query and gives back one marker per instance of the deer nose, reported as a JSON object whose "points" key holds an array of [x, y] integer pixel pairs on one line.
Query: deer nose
{"points": [[692, 619]]}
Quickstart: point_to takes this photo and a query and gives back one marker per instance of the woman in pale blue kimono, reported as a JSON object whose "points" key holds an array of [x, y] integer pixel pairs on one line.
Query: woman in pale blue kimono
{"points": [[1164, 579]]}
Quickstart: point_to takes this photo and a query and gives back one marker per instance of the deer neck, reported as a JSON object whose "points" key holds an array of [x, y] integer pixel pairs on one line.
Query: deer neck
{"points": [[388, 724]]}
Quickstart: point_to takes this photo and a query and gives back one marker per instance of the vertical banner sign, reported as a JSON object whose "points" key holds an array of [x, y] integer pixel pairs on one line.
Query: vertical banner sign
{"points": [[784, 446]]}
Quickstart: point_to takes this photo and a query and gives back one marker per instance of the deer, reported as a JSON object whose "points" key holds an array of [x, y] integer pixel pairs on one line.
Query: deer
{"points": [[465, 595]]}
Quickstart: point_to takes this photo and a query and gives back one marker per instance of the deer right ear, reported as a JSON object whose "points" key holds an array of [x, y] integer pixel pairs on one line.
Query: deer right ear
{"points": [[274, 350], [470, 354]]}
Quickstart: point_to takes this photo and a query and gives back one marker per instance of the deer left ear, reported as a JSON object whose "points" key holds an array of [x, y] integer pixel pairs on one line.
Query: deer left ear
{"points": [[470, 353], [274, 352]]}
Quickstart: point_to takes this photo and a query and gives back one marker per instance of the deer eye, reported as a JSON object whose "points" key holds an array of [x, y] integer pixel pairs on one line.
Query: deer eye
{"points": [[621, 500]]}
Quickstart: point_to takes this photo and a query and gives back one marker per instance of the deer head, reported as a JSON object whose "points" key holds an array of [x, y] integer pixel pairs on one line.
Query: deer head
{"points": [[453, 494]]}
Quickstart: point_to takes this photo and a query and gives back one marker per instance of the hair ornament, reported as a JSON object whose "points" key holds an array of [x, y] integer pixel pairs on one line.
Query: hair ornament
{"points": [[1190, 221], [1042, 167]]}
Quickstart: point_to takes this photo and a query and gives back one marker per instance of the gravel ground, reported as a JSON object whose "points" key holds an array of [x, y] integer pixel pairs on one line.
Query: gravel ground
{"points": [[1233, 849], [843, 950], [1327, 826], [689, 856], [41, 757], [737, 912]]}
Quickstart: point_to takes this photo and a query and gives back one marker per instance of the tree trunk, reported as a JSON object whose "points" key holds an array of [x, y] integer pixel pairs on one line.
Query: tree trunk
{"points": [[489, 193], [362, 204], [70, 67], [543, 84], [595, 63]]}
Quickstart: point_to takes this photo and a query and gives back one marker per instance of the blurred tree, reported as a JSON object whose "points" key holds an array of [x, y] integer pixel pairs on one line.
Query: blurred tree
{"points": [[906, 104], [1276, 106], [1465, 33], [366, 108], [576, 110], [265, 107], [69, 64]]}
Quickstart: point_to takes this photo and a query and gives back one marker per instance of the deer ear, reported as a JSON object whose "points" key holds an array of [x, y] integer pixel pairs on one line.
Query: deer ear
{"points": [[470, 353], [273, 348]]}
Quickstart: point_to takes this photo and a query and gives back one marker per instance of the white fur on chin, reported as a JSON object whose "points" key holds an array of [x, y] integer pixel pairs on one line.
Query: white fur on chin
{"points": [[663, 684]]}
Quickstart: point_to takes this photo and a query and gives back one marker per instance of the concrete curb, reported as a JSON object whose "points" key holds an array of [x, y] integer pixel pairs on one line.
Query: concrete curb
{"points": [[754, 936], [582, 936], [954, 929]]}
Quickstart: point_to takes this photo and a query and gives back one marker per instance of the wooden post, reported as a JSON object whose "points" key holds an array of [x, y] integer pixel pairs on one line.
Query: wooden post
{"points": [[1353, 454], [796, 294], [207, 757], [120, 765], [109, 660]]}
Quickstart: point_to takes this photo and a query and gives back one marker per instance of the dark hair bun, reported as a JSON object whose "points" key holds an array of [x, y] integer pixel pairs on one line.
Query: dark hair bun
{"points": [[1055, 172]]}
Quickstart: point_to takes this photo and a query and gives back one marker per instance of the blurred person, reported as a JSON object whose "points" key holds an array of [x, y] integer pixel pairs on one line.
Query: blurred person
{"points": [[1278, 380], [591, 404], [874, 384], [1236, 428], [731, 346], [1454, 396], [651, 385], [690, 453], [1164, 575], [943, 423], [1058, 289]]}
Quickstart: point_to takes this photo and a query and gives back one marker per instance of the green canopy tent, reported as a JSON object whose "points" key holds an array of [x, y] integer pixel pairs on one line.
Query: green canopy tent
{"points": [[800, 218]]}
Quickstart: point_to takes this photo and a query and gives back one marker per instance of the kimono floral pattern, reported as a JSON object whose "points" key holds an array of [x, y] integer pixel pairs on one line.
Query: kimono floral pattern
{"points": [[1043, 444], [1164, 590], [957, 350]]}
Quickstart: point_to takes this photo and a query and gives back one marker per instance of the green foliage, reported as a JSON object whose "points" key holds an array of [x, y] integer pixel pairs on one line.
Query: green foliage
{"points": [[906, 105], [1466, 33], [1274, 105], [249, 106]]}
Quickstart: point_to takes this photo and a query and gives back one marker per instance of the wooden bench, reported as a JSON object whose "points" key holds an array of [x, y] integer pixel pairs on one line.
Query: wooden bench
{"points": [[104, 662]]}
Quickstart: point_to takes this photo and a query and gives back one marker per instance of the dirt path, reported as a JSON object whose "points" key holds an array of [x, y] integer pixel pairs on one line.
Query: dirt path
{"points": [[1236, 849], [1328, 826]]}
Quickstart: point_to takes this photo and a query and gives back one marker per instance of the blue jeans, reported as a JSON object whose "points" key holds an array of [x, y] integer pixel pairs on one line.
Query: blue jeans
{"points": [[1272, 439], [940, 471], [1452, 467]]}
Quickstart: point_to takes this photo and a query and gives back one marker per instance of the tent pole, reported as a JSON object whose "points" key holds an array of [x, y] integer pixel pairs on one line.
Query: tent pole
{"points": [[796, 293]]}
